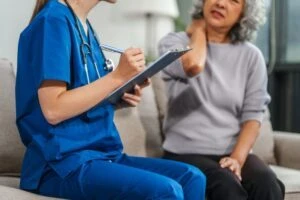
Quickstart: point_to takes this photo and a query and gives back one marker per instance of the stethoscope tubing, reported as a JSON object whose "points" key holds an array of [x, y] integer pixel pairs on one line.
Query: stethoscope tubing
{"points": [[86, 45]]}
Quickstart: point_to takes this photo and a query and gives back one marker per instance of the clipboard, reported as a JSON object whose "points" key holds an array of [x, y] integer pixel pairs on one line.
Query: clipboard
{"points": [[159, 64]]}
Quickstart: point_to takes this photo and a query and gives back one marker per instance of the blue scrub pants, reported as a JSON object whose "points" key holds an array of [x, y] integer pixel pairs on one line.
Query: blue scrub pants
{"points": [[129, 177]]}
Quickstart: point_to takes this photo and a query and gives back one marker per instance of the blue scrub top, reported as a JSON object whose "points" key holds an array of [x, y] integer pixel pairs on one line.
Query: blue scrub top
{"points": [[49, 49]]}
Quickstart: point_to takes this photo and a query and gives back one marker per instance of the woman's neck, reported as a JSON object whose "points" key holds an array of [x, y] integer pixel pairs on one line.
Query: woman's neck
{"points": [[217, 36], [81, 7]]}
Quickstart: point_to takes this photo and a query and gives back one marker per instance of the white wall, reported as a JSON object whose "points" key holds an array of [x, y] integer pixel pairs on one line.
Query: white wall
{"points": [[14, 16], [113, 24]]}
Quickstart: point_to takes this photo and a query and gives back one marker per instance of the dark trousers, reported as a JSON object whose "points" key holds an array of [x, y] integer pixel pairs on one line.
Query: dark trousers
{"points": [[258, 181]]}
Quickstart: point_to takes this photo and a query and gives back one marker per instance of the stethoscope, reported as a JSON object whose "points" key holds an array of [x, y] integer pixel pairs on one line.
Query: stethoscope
{"points": [[86, 49]]}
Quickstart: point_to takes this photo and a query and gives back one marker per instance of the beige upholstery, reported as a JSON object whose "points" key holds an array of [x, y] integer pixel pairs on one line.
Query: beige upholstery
{"points": [[9, 193], [10, 181], [264, 146], [291, 178], [11, 149], [140, 130], [287, 148], [131, 131], [151, 123]]}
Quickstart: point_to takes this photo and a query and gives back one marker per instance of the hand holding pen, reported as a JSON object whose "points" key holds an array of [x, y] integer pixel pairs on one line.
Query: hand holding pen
{"points": [[131, 62]]}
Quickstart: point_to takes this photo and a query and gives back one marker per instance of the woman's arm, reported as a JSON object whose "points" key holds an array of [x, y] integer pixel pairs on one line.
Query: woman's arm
{"points": [[246, 140], [59, 104], [256, 99], [193, 62]]}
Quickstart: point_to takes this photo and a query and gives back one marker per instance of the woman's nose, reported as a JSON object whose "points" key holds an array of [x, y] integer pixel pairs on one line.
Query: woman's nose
{"points": [[221, 3]]}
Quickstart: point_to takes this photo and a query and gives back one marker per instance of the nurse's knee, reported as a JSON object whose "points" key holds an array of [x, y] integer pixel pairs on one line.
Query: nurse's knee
{"points": [[169, 189], [196, 175], [193, 177]]}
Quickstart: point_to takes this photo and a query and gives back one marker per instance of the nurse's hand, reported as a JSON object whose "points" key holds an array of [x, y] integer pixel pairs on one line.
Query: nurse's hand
{"points": [[132, 61], [133, 99]]}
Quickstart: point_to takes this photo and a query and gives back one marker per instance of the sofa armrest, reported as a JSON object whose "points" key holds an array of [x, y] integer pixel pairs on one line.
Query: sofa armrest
{"points": [[287, 146]]}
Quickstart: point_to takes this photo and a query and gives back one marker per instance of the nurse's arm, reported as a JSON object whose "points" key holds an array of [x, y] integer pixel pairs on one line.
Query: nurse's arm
{"points": [[59, 104]]}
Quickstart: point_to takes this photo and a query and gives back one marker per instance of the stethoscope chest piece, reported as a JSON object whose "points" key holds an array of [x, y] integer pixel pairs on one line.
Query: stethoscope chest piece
{"points": [[86, 49], [109, 65]]}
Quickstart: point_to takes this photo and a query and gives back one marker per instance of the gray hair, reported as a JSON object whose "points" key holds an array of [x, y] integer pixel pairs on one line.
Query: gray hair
{"points": [[253, 16]]}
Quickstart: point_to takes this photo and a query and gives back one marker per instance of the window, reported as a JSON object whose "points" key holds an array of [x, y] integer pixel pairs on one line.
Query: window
{"points": [[293, 31], [262, 40]]}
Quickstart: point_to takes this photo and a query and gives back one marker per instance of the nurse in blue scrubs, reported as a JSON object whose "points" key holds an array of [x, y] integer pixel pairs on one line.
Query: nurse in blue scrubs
{"points": [[73, 147]]}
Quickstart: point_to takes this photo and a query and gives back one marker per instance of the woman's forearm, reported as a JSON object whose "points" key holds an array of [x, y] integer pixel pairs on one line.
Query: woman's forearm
{"points": [[59, 104], [193, 62], [246, 140]]}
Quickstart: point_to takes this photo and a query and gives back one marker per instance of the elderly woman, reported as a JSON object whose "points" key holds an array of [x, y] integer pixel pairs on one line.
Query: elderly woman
{"points": [[217, 95]]}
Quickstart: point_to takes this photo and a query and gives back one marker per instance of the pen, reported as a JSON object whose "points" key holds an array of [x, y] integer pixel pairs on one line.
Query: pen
{"points": [[111, 49]]}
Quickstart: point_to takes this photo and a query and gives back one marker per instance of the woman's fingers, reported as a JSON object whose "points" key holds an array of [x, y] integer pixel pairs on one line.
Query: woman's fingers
{"points": [[225, 162], [238, 174], [133, 99], [134, 51], [146, 83], [233, 165], [138, 91], [140, 64], [130, 102], [139, 57]]}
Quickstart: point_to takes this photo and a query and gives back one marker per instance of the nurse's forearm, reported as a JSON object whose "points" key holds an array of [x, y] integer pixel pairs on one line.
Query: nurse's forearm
{"points": [[59, 104], [246, 140]]}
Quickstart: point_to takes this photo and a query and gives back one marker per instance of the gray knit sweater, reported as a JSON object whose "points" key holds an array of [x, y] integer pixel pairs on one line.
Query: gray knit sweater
{"points": [[205, 113]]}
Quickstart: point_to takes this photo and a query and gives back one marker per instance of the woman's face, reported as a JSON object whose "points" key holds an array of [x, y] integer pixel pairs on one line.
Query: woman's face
{"points": [[222, 14]]}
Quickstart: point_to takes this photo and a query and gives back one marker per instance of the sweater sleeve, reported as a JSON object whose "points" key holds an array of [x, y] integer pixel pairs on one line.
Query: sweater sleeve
{"points": [[256, 96], [173, 41]]}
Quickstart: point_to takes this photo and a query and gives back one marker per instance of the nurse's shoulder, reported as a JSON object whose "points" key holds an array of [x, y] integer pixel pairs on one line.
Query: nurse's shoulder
{"points": [[53, 12]]}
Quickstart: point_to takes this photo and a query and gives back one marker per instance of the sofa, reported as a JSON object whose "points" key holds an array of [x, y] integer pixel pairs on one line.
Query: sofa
{"points": [[140, 130]]}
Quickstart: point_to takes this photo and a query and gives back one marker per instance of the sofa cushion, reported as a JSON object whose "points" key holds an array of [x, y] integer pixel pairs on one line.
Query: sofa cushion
{"points": [[287, 147], [264, 145], [10, 181], [11, 148], [160, 95], [290, 178], [131, 131], [9, 193], [149, 116]]}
